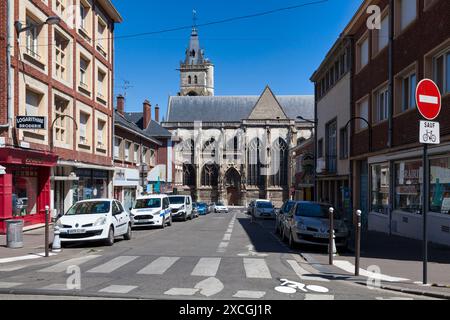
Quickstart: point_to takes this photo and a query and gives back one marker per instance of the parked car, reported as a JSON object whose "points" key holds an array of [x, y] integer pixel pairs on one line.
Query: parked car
{"points": [[308, 223], [220, 208], [211, 207], [181, 207], [250, 207], [263, 209], [95, 220], [150, 211], [202, 208], [195, 210], [281, 215]]}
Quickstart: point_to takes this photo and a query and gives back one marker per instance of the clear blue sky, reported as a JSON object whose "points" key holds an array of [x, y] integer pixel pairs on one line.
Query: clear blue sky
{"points": [[281, 49]]}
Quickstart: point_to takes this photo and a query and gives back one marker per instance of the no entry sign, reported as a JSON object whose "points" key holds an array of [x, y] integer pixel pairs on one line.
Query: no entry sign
{"points": [[428, 99]]}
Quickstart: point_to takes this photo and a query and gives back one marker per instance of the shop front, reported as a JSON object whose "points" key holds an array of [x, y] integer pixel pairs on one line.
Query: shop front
{"points": [[25, 185], [126, 186]]}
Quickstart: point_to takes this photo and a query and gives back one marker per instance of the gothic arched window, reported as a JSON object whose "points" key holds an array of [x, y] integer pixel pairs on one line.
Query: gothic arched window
{"points": [[279, 163], [210, 147], [254, 163], [189, 80], [196, 80], [210, 175], [188, 175]]}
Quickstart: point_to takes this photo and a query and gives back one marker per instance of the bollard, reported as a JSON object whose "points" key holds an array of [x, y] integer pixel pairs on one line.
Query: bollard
{"points": [[56, 246], [47, 210], [332, 244], [357, 241]]}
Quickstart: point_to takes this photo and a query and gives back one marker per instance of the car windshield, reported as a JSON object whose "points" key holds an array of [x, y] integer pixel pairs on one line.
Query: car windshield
{"points": [[220, 204], [264, 205], [315, 210], [95, 207], [201, 205], [176, 200], [148, 203], [288, 206]]}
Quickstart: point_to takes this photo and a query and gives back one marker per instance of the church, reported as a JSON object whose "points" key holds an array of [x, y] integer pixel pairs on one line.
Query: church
{"points": [[232, 149]]}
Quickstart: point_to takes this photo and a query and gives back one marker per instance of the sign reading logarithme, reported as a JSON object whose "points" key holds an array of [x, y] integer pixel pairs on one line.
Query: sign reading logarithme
{"points": [[31, 122]]}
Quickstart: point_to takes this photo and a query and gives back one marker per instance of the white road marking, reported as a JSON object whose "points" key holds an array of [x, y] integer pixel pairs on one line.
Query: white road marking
{"points": [[286, 290], [206, 267], [7, 285], [56, 287], [113, 265], [181, 292], [159, 266], [251, 252], [393, 298], [12, 268], [303, 274], [227, 237], [317, 297], [62, 266], [256, 269], [230, 230], [318, 289], [223, 245], [246, 294], [210, 287], [428, 99], [24, 258], [350, 268], [118, 289]]}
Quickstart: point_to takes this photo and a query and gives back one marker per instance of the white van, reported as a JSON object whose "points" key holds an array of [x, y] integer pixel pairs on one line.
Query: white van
{"points": [[181, 207], [151, 211]]}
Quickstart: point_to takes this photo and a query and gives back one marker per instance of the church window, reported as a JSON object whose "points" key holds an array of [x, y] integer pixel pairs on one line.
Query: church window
{"points": [[254, 163], [196, 80], [210, 175], [189, 80], [280, 163]]}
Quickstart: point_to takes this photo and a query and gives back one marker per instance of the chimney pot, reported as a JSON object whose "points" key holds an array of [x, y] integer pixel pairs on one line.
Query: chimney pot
{"points": [[157, 113], [121, 104], [147, 113]]}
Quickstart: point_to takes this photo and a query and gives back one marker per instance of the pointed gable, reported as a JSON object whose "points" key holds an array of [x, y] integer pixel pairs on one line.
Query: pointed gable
{"points": [[267, 107]]}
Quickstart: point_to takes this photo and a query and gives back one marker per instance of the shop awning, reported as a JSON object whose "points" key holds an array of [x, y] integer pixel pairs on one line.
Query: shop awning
{"points": [[124, 177], [81, 165]]}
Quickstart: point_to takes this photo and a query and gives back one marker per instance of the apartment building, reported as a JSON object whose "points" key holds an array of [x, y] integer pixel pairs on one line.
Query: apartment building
{"points": [[62, 75], [302, 170], [385, 152], [332, 92]]}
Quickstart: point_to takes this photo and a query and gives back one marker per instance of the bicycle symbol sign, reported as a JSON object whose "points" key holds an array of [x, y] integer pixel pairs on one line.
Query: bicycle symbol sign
{"points": [[430, 132]]}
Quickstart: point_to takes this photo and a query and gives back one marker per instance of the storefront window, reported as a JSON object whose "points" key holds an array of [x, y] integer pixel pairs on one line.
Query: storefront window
{"points": [[25, 191], [408, 183], [380, 188], [92, 184], [440, 185]]}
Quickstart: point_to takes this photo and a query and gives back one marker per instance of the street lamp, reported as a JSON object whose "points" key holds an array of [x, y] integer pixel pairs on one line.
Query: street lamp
{"points": [[52, 20], [315, 123]]}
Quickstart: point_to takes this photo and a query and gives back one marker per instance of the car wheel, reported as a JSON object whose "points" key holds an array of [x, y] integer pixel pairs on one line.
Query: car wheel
{"points": [[170, 221], [185, 217], [163, 225], [110, 239], [127, 236], [291, 241]]}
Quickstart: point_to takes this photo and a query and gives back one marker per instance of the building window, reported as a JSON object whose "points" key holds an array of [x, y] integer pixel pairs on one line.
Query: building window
{"points": [[195, 79], [61, 124], [210, 175], [279, 163], [33, 101], [409, 84], [84, 72], [254, 177], [406, 13], [440, 185], [117, 144], [362, 111], [84, 11], [188, 175], [83, 128], [136, 154], [61, 44], [382, 104], [101, 134], [32, 38], [343, 145], [320, 149], [101, 91], [363, 53], [101, 36], [25, 186], [408, 186], [331, 145], [127, 151], [441, 71], [380, 188], [381, 37], [60, 7], [189, 80]]}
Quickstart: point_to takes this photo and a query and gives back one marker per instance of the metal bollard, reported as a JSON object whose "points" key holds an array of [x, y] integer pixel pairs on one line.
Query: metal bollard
{"points": [[332, 236], [56, 245], [47, 210], [357, 241]]}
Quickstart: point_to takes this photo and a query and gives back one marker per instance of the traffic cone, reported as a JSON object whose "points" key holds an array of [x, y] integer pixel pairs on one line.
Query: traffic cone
{"points": [[56, 245]]}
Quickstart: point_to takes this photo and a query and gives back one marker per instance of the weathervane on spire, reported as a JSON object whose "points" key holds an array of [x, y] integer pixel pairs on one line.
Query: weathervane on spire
{"points": [[194, 18]]}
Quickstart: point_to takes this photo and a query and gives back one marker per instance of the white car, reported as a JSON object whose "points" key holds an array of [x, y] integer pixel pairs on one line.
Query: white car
{"points": [[181, 207], [152, 211], [220, 208], [263, 209], [95, 220]]}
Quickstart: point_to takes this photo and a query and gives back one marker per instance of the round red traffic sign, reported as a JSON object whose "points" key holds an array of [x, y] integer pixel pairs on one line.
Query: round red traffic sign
{"points": [[428, 99]]}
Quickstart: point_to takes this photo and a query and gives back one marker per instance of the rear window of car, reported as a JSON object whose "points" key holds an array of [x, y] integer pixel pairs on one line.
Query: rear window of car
{"points": [[315, 210], [264, 205]]}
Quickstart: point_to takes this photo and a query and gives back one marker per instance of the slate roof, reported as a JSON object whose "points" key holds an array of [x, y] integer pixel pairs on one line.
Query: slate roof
{"points": [[154, 129], [232, 108], [124, 122]]}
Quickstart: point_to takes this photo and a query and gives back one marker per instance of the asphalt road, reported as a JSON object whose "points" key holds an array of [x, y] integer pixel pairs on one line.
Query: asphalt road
{"points": [[218, 256]]}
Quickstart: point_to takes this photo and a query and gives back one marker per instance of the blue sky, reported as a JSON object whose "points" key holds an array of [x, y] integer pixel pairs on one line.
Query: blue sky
{"points": [[281, 50]]}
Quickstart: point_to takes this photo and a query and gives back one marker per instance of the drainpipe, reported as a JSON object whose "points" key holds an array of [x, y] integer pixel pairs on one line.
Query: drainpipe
{"points": [[391, 108], [8, 65]]}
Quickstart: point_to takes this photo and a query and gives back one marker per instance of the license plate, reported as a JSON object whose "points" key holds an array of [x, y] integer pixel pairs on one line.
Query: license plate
{"points": [[76, 231], [321, 236]]}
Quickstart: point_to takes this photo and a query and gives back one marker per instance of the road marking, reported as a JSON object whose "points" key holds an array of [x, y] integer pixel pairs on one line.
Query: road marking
{"points": [[246, 294], [12, 268], [318, 289], [256, 268], [62, 266], [113, 265], [23, 258], [350, 268], [118, 289], [230, 230], [181, 292], [159, 266], [227, 237], [393, 298], [428, 99], [56, 287], [317, 297], [210, 287], [206, 267], [251, 252], [7, 285], [303, 274]]}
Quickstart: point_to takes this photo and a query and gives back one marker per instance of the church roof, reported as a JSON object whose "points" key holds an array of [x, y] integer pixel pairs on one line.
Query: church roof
{"points": [[232, 108]]}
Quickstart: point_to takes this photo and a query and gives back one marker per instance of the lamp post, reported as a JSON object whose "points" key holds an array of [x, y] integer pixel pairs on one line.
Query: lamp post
{"points": [[315, 123]]}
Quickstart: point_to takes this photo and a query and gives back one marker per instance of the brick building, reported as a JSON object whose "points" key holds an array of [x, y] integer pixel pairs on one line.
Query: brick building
{"points": [[64, 73], [386, 155]]}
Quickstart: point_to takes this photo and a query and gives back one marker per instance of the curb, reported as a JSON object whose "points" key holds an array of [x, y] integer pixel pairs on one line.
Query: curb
{"points": [[412, 291]]}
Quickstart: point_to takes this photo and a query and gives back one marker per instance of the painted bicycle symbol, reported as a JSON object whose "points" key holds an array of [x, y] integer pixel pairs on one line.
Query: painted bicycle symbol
{"points": [[290, 287], [429, 136]]}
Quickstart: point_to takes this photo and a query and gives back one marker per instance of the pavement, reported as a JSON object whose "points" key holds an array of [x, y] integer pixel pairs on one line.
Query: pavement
{"points": [[214, 257], [397, 260]]}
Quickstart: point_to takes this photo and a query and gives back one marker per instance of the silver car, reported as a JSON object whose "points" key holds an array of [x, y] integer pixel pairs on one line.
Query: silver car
{"points": [[308, 223], [263, 209], [281, 215]]}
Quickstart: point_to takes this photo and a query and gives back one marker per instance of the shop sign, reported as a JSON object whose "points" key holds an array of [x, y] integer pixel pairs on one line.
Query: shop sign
{"points": [[31, 123]]}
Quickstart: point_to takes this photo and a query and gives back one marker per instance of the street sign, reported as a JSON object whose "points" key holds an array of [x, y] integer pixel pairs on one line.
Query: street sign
{"points": [[430, 132], [31, 123], [428, 99]]}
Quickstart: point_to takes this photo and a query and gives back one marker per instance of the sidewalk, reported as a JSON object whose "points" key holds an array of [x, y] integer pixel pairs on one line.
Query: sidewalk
{"points": [[33, 244], [399, 261]]}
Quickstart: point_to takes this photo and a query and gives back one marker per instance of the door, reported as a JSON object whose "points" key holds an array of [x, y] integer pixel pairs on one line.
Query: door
{"points": [[119, 218], [189, 206], [232, 196]]}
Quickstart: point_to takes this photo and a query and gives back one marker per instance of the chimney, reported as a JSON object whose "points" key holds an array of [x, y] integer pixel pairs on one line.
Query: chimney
{"points": [[121, 104], [147, 113], [157, 113]]}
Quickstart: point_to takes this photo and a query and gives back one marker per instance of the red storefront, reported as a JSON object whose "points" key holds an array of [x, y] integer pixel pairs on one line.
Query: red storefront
{"points": [[25, 188]]}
